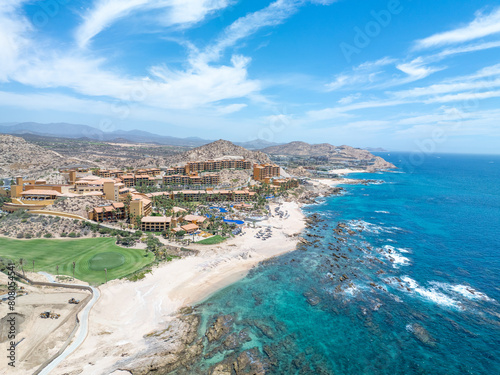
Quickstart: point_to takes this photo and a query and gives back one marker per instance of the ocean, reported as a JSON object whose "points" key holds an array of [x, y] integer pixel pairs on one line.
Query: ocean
{"points": [[402, 276]]}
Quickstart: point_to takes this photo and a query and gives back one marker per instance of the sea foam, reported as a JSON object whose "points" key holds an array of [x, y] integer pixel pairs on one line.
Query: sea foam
{"points": [[431, 294]]}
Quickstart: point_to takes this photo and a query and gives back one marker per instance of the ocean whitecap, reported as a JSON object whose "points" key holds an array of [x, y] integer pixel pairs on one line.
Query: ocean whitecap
{"points": [[431, 294]]}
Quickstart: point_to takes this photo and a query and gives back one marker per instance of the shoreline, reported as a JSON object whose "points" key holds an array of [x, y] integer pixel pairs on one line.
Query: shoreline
{"points": [[128, 311]]}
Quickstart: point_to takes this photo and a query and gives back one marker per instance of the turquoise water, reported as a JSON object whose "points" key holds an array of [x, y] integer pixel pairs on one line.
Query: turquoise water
{"points": [[420, 279]]}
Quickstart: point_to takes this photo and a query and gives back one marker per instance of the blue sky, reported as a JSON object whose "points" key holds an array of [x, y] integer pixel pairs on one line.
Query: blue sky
{"points": [[404, 75]]}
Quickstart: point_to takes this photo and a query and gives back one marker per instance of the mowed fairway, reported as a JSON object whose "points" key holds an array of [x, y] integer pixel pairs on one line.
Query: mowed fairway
{"points": [[91, 256]]}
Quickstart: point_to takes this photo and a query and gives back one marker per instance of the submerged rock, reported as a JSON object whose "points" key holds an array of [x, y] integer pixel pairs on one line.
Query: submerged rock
{"points": [[421, 334], [219, 328]]}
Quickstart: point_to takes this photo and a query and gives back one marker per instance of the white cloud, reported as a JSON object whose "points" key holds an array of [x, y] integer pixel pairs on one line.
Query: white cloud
{"points": [[464, 97], [461, 83], [416, 69], [349, 99], [368, 125], [232, 108], [274, 14], [365, 73], [482, 26], [468, 48], [14, 31], [104, 13], [343, 111]]}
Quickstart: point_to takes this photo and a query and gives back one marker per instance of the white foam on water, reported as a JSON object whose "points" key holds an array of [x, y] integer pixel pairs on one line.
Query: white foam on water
{"points": [[431, 294], [463, 290], [382, 212], [392, 248], [366, 226], [392, 254], [397, 260]]}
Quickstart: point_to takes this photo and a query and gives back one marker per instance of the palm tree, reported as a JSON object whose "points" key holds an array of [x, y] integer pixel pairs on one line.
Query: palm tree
{"points": [[74, 264]]}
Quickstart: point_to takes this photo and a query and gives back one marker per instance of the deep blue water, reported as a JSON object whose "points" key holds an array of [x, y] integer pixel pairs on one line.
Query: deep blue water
{"points": [[422, 287]]}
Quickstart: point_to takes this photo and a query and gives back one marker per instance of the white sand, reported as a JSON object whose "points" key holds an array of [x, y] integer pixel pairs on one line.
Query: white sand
{"points": [[345, 171], [333, 181], [127, 311]]}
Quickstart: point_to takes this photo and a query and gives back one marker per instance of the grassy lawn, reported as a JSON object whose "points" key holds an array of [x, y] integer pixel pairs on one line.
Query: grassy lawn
{"points": [[212, 240], [91, 255]]}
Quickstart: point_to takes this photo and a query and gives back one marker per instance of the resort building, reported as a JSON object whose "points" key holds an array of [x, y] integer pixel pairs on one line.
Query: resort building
{"points": [[213, 195], [201, 221], [130, 180], [190, 228], [209, 166], [40, 195], [157, 223], [140, 206], [243, 206], [113, 212], [108, 187], [287, 183], [106, 173], [209, 179], [263, 172]]}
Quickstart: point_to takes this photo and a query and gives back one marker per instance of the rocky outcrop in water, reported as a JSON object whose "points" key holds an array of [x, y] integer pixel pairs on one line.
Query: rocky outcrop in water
{"points": [[219, 328], [422, 334]]}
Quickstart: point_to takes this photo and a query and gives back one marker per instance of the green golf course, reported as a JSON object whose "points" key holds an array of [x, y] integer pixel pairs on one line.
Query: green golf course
{"points": [[91, 257]]}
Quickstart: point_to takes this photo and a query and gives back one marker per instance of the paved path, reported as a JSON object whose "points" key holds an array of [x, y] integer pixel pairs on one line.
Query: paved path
{"points": [[82, 331]]}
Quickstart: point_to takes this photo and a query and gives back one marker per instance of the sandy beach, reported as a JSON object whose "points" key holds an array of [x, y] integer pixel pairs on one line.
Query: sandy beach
{"points": [[127, 311]]}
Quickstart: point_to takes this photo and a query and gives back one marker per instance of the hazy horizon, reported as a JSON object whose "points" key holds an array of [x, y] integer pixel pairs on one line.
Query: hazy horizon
{"points": [[320, 71]]}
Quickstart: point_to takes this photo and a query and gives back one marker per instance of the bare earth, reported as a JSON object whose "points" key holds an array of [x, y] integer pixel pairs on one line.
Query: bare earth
{"points": [[42, 337], [127, 311]]}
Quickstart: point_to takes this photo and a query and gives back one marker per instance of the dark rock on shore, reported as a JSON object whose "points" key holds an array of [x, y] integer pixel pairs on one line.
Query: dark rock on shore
{"points": [[175, 347], [219, 328]]}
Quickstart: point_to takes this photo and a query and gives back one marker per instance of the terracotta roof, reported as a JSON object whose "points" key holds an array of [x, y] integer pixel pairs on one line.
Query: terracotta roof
{"points": [[41, 192], [194, 218], [118, 204], [156, 219], [190, 227], [94, 193]]}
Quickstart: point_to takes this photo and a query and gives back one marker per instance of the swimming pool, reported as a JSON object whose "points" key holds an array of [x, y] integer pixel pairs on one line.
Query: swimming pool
{"points": [[219, 208], [239, 222]]}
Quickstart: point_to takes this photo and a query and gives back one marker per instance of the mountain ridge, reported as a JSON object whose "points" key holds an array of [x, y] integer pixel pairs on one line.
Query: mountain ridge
{"points": [[77, 131]]}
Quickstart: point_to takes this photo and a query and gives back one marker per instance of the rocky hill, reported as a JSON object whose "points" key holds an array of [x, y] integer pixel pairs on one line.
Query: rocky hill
{"points": [[331, 152], [215, 150], [300, 149], [18, 157]]}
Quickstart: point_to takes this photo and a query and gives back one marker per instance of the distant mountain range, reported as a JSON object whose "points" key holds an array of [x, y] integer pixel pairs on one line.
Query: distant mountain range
{"points": [[86, 132], [75, 131]]}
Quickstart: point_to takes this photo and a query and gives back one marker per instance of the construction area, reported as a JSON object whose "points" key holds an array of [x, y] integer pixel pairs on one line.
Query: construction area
{"points": [[45, 318]]}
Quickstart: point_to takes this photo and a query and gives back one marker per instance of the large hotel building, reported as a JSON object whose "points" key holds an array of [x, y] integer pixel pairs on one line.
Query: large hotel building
{"points": [[209, 166], [262, 172]]}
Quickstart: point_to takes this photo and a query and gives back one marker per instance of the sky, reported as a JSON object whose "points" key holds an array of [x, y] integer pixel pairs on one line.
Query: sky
{"points": [[398, 74]]}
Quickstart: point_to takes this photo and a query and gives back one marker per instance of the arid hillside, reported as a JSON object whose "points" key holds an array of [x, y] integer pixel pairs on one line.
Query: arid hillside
{"points": [[218, 149], [329, 153], [18, 157]]}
